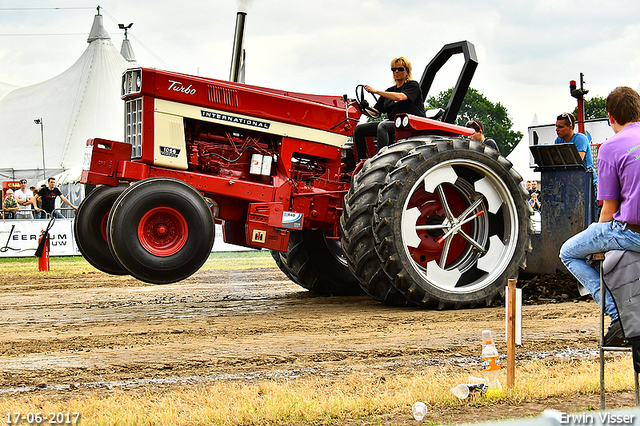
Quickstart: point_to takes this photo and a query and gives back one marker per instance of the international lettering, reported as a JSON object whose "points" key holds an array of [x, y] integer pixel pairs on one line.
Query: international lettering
{"points": [[234, 119]]}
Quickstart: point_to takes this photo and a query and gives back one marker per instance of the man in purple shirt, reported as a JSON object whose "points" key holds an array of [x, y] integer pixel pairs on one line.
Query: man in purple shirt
{"points": [[619, 189]]}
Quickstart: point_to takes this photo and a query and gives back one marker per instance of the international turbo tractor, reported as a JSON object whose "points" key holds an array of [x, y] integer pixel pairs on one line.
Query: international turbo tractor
{"points": [[434, 220]]}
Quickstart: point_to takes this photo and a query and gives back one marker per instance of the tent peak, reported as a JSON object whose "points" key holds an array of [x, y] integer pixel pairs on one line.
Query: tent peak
{"points": [[97, 30], [127, 51]]}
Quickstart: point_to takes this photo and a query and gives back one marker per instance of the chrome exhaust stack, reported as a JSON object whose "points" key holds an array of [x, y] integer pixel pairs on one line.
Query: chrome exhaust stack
{"points": [[238, 41]]}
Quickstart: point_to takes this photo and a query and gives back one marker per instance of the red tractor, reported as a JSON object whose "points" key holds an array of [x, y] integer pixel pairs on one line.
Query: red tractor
{"points": [[435, 220]]}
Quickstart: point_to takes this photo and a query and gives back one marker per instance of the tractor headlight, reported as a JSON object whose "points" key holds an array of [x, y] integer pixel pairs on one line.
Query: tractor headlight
{"points": [[131, 82]]}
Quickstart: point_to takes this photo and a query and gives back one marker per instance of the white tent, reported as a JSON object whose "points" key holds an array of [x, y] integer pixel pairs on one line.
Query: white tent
{"points": [[6, 88], [81, 103], [521, 157]]}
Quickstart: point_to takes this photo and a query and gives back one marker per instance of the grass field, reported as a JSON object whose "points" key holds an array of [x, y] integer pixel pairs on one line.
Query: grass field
{"points": [[352, 399], [78, 265]]}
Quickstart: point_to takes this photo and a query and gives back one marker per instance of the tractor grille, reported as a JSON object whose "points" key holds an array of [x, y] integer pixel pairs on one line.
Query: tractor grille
{"points": [[133, 126], [222, 95]]}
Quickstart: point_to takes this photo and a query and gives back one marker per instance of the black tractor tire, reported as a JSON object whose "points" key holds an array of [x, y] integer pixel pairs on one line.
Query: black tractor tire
{"points": [[161, 230], [90, 229], [452, 223], [357, 222], [318, 264]]}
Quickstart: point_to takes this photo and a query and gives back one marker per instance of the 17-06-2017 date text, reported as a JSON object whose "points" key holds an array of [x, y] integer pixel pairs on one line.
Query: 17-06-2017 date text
{"points": [[17, 418]]}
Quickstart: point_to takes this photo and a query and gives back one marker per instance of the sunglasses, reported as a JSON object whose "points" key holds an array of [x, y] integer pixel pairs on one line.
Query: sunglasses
{"points": [[473, 124], [568, 117], [394, 69]]}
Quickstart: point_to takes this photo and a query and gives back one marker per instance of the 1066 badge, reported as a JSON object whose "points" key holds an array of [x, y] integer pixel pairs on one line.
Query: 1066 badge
{"points": [[168, 151]]}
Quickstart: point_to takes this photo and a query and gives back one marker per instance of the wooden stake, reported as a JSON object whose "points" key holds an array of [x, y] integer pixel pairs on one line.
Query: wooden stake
{"points": [[511, 334]]}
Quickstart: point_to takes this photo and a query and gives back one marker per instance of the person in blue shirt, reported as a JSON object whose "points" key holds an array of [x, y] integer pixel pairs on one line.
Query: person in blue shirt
{"points": [[565, 124]]}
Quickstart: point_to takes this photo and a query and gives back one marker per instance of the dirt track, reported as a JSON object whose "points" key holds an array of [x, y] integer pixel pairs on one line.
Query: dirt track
{"points": [[67, 334]]}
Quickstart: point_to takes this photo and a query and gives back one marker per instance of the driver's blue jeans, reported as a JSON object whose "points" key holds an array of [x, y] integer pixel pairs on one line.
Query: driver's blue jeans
{"points": [[597, 238]]}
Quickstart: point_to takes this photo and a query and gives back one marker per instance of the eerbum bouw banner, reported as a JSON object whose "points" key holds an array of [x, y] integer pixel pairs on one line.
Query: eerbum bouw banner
{"points": [[19, 238]]}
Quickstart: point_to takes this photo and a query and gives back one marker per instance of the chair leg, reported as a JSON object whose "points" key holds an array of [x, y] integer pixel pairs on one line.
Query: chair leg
{"points": [[601, 338], [600, 258]]}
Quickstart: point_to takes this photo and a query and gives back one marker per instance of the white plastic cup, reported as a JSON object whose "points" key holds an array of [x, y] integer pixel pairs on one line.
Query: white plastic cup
{"points": [[461, 391], [419, 410]]}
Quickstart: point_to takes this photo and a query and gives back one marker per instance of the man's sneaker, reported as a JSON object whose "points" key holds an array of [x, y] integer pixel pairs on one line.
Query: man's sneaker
{"points": [[614, 336]]}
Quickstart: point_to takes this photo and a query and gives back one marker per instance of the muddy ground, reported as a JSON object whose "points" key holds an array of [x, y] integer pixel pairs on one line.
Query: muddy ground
{"points": [[66, 335]]}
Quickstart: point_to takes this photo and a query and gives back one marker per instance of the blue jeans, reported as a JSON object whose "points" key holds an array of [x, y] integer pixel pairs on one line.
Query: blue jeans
{"points": [[597, 238]]}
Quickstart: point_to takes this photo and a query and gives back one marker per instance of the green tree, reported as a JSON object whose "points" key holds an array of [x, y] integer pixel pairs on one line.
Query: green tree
{"points": [[494, 117], [593, 108]]}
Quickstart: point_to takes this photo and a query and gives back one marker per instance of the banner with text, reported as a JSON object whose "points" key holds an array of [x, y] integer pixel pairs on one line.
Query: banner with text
{"points": [[19, 238]]}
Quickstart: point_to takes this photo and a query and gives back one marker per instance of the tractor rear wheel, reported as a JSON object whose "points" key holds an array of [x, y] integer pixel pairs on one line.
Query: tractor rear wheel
{"points": [[318, 264], [357, 224], [281, 265], [161, 230], [452, 223], [90, 229]]}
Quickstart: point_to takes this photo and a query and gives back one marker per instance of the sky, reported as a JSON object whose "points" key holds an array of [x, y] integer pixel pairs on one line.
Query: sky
{"points": [[528, 51]]}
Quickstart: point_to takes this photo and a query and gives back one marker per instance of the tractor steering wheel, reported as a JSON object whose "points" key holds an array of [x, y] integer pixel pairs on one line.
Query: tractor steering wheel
{"points": [[362, 103]]}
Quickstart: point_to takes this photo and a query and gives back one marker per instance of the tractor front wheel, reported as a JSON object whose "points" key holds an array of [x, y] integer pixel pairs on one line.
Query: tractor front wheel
{"points": [[90, 229], [161, 230]]}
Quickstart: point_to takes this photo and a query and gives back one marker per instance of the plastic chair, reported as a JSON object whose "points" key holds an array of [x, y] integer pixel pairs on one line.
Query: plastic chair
{"points": [[600, 258]]}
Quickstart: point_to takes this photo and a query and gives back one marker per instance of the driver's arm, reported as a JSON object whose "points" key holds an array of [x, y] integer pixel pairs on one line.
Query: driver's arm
{"points": [[394, 96]]}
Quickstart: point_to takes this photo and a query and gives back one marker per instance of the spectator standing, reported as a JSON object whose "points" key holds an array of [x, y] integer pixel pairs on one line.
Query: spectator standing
{"points": [[36, 195], [26, 201], [478, 134], [618, 227], [535, 203], [9, 205], [534, 189], [48, 196]]}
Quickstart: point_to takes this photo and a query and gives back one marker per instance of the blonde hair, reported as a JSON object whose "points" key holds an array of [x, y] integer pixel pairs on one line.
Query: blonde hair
{"points": [[405, 63]]}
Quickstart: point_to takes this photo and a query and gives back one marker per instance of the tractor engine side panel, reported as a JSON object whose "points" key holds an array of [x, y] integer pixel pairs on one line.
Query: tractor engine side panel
{"points": [[246, 149]]}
